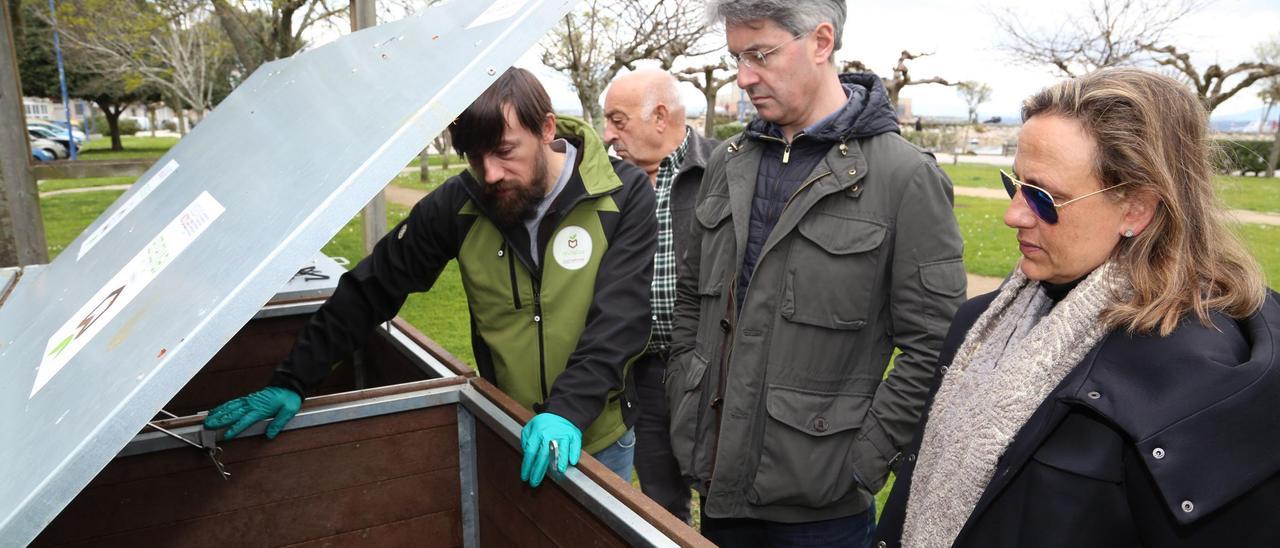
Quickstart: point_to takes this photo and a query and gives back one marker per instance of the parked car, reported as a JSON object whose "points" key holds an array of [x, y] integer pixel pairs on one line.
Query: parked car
{"points": [[58, 131], [54, 149], [46, 133], [40, 155], [60, 126]]}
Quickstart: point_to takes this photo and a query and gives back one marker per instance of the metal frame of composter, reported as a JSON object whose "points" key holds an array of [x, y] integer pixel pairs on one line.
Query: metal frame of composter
{"points": [[472, 405]]}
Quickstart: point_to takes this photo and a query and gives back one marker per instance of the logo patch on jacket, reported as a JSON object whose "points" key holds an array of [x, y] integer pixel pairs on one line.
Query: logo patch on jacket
{"points": [[572, 247]]}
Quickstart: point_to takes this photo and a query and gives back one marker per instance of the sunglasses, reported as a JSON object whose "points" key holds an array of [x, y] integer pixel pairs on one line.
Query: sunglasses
{"points": [[1041, 203]]}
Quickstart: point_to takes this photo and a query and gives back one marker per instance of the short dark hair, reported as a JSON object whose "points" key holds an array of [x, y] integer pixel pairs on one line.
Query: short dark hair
{"points": [[478, 129]]}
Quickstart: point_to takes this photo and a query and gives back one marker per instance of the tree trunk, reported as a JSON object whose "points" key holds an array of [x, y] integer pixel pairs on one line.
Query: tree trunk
{"points": [[182, 121], [112, 113], [1266, 113], [22, 238], [591, 111], [423, 162], [710, 119], [151, 118], [1275, 153]]}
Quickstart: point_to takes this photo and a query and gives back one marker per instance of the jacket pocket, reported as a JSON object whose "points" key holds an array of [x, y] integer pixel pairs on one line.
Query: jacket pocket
{"points": [[683, 390], [804, 457], [832, 272], [718, 243]]}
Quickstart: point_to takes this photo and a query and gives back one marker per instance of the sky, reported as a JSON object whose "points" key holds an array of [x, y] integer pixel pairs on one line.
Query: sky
{"points": [[964, 40]]}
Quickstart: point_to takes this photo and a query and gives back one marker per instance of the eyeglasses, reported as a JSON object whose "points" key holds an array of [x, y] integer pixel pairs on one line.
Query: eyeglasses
{"points": [[757, 59], [1042, 204]]}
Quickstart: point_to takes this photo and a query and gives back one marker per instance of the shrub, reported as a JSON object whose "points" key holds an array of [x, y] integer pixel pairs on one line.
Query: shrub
{"points": [[129, 126], [1245, 157], [169, 125], [725, 131]]}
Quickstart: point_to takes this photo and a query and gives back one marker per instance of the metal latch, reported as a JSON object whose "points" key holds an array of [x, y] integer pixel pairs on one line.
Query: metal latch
{"points": [[206, 441]]}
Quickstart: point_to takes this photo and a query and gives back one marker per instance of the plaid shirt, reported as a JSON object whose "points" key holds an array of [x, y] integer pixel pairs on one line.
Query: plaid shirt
{"points": [[663, 295]]}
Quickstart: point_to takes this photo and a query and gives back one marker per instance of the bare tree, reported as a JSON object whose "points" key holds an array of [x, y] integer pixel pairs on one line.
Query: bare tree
{"points": [[704, 78], [974, 94], [1109, 33], [1270, 95], [594, 42], [1269, 52], [264, 30], [1209, 83], [171, 45], [901, 75]]}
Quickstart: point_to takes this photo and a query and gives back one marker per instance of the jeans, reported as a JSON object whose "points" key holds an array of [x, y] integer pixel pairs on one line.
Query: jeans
{"points": [[620, 455], [655, 463], [853, 531]]}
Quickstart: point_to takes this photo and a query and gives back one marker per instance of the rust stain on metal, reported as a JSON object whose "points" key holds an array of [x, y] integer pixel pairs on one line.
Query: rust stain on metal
{"points": [[162, 352], [9, 288]]}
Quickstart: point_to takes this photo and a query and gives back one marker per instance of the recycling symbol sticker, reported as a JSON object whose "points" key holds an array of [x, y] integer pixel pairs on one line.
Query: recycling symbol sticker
{"points": [[572, 247]]}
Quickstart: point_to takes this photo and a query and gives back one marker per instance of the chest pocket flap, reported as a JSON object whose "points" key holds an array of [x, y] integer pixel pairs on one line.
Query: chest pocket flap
{"points": [[841, 236], [712, 211]]}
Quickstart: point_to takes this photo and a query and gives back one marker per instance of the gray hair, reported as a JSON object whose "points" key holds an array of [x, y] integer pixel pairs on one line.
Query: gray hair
{"points": [[797, 16]]}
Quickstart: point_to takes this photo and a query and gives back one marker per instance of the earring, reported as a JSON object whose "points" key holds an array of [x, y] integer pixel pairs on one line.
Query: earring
{"points": [[1128, 233]]}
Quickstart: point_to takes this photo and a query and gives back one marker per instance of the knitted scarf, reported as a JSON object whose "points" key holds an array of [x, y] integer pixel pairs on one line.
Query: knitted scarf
{"points": [[1015, 354]]}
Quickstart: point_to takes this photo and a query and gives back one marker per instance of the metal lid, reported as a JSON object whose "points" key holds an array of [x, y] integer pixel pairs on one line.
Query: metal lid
{"points": [[92, 345]]}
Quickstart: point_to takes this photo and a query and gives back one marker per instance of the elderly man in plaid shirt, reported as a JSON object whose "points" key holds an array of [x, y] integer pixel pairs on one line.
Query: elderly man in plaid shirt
{"points": [[645, 124]]}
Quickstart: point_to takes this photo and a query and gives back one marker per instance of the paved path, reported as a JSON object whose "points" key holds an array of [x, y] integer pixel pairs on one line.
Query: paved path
{"points": [[1240, 215], [83, 189]]}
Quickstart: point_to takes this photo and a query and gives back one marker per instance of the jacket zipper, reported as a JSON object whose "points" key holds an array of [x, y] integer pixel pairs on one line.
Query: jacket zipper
{"points": [[542, 354], [802, 187], [511, 266], [786, 146]]}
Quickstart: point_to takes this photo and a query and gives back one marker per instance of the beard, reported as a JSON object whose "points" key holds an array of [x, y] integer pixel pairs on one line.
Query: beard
{"points": [[510, 202]]}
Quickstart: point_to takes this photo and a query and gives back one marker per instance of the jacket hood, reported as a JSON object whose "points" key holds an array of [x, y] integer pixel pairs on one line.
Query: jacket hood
{"points": [[593, 161], [866, 113]]}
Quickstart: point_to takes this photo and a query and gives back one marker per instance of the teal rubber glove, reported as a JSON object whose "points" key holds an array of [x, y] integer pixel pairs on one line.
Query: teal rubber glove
{"points": [[279, 404], [536, 440]]}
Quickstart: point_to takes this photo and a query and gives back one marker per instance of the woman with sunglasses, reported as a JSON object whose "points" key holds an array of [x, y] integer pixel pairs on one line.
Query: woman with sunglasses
{"points": [[1122, 387]]}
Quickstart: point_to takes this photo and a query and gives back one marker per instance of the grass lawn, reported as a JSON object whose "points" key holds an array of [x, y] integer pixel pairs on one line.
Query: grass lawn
{"points": [[63, 184], [135, 147], [437, 160], [1251, 193], [437, 177]]}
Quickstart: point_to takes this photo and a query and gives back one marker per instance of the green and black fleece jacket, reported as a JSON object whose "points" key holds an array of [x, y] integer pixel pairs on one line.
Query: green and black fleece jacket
{"points": [[558, 335]]}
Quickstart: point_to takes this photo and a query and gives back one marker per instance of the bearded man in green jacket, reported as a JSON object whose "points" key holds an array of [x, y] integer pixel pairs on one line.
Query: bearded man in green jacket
{"points": [[555, 244]]}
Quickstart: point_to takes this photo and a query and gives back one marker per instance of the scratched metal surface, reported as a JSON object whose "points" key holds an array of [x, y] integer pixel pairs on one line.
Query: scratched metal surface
{"points": [[229, 213]]}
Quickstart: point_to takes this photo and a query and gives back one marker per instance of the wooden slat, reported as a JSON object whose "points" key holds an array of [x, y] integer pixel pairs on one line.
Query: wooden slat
{"points": [[432, 347], [557, 515], [442, 529], [345, 513], [245, 449], [169, 486], [655, 514]]}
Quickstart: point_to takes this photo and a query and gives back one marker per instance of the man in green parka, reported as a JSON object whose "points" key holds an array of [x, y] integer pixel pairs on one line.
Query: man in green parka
{"points": [[555, 244]]}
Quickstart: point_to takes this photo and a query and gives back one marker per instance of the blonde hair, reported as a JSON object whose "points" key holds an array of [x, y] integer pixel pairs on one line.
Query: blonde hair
{"points": [[1151, 133]]}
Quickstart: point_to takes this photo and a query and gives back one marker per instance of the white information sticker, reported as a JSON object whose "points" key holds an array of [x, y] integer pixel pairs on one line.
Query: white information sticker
{"points": [[125, 285], [119, 215], [500, 10], [572, 247]]}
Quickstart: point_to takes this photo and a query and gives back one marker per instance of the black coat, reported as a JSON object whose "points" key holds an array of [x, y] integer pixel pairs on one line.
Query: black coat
{"points": [[1148, 442]]}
